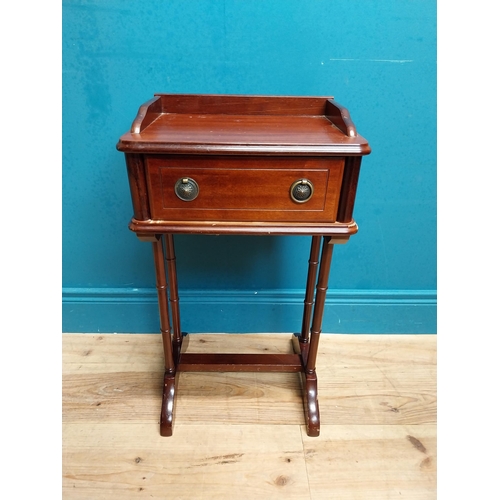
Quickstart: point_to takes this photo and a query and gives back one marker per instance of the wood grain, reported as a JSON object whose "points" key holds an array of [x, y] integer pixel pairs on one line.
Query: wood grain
{"points": [[374, 461], [245, 189], [104, 461], [271, 125], [244, 104], [242, 434]]}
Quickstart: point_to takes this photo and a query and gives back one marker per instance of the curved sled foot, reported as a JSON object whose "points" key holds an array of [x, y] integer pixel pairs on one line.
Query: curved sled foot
{"points": [[311, 407], [167, 405]]}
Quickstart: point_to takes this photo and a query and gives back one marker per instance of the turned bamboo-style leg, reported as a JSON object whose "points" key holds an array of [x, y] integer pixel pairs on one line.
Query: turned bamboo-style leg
{"points": [[174, 296], [161, 288], [311, 281], [310, 389], [167, 407]]}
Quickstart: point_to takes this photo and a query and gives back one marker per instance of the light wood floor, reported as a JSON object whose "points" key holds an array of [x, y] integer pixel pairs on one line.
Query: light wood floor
{"points": [[241, 436]]}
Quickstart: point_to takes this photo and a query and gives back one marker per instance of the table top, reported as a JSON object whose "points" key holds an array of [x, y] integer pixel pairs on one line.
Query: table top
{"points": [[270, 125]]}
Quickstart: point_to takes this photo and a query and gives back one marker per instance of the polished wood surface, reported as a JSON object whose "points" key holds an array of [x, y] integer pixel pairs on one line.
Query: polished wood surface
{"points": [[310, 283], [244, 189], [175, 133], [201, 124], [242, 434], [340, 232], [243, 165], [189, 123], [245, 151]]}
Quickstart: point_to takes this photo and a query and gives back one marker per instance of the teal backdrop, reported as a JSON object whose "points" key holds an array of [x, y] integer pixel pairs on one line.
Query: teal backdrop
{"points": [[378, 59]]}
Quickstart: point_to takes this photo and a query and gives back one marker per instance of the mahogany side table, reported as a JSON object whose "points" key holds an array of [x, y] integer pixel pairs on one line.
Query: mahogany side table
{"points": [[246, 165]]}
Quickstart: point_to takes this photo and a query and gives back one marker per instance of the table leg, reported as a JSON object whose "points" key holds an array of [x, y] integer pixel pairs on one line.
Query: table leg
{"points": [[311, 281], [311, 406], [167, 407], [174, 296]]}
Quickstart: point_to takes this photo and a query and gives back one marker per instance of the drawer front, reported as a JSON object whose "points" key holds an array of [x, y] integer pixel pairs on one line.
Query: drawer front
{"points": [[243, 189]]}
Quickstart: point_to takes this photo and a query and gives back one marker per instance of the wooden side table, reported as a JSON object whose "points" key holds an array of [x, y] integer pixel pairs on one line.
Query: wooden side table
{"points": [[247, 165]]}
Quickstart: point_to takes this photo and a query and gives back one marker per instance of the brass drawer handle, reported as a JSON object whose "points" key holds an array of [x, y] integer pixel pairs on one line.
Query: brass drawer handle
{"points": [[186, 189], [301, 190]]}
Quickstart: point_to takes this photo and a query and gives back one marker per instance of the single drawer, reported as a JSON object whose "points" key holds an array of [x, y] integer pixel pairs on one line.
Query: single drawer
{"points": [[201, 188]]}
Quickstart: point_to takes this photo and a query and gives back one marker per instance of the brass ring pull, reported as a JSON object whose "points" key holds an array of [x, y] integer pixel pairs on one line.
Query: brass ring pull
{"points": [[301, 190], [186, 189]]}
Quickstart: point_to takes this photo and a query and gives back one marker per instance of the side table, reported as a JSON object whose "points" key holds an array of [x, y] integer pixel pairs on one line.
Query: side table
{"points": [[243, 165]]}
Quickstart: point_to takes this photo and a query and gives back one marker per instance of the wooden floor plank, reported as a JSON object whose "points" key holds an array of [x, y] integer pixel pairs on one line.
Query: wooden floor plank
{"points": [[368, 380], [357, 462], [377, 379], [241, 435], [106, 353], [128, 461]]}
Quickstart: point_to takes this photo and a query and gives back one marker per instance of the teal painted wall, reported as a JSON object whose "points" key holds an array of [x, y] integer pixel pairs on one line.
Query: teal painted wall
{"points": [[377, 58]]}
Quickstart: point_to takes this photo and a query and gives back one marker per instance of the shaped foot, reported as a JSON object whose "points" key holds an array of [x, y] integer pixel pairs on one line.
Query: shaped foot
{"points": [[311, 407], [167, 405]]}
